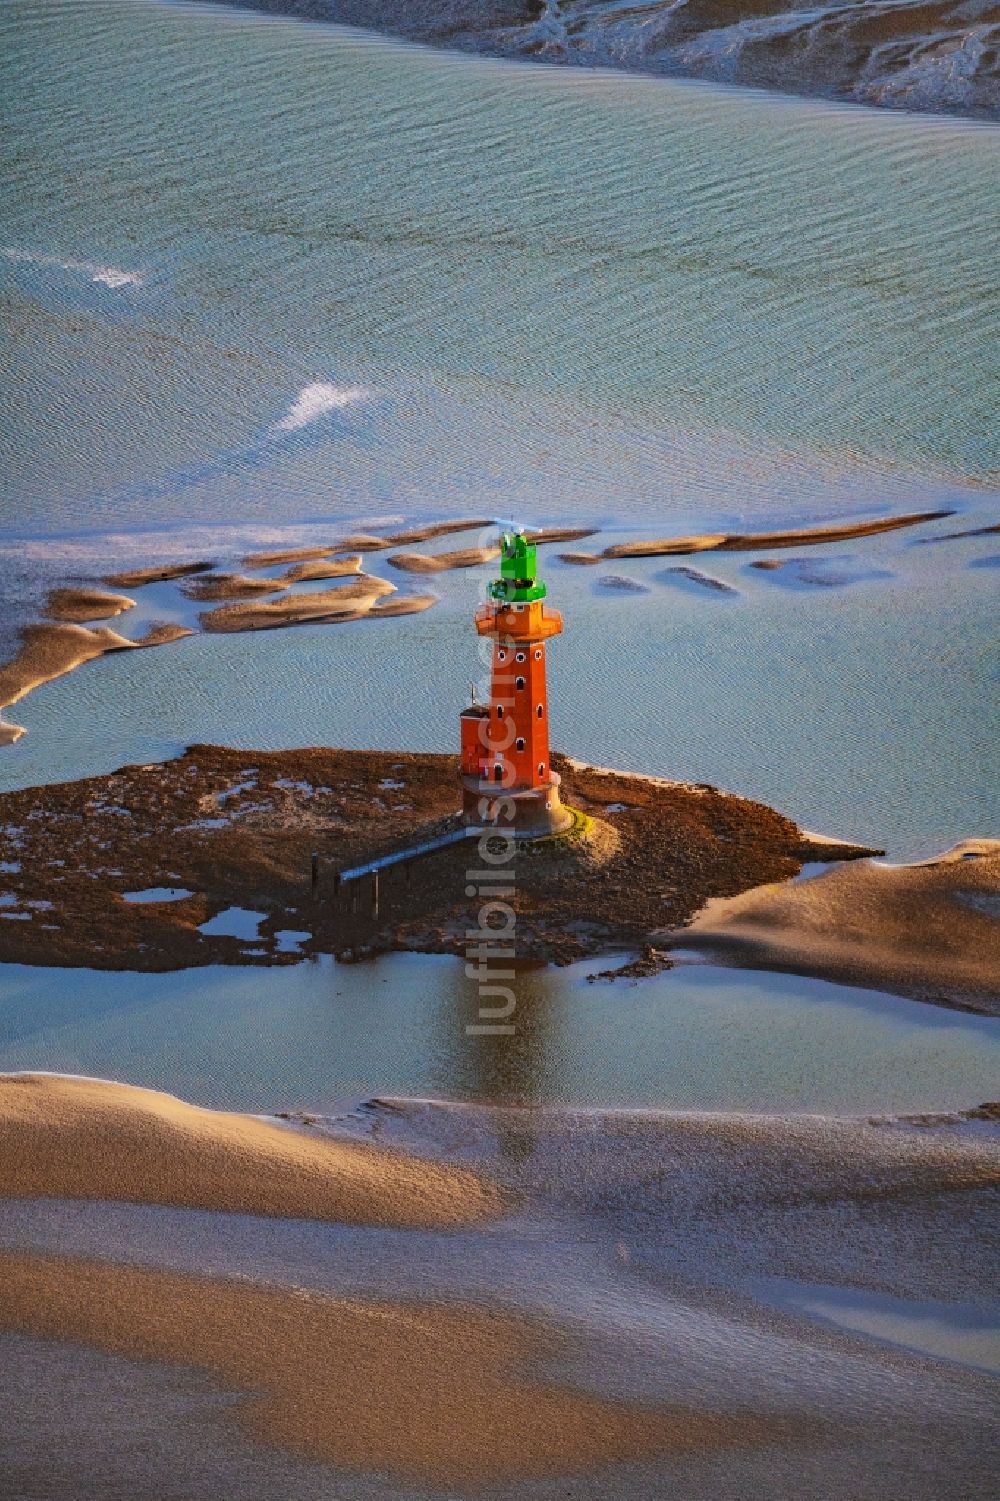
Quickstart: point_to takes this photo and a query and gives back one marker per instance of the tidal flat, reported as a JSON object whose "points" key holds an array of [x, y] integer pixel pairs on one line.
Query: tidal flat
{"points": [[284, 302]]}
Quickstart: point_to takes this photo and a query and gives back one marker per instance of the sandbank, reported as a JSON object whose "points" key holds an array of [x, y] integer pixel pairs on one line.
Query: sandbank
{"points": [[975, 531], [71, 1138], [213, 586], [442, 1395], [752, 541], [423, 562], [542, 535], [360, 542], [705, 542], [78, 605], [929, 931], [622, 583], [134, 578], [323, 568], [435, 529], [695, 576], [403, 604], [283, 555], [50, 651], [349, 601]]}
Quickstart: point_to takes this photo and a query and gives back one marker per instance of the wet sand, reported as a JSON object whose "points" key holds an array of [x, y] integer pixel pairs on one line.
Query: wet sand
{"points": [[70, 1138], [754, 541], [403, 604], [361, 542], [703, 542], [284, 555], [50, 651], [445, 1395], [349, 601], [134, 578], [323, 568], [218, 586], [543, 535], [423, 562], [630, 1307], [77, 605], [703, 580], [929, 931], [406, 535]]}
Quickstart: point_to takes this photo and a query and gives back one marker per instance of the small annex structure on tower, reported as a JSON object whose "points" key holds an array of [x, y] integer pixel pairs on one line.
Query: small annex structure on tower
{"points": [[507, 779]]}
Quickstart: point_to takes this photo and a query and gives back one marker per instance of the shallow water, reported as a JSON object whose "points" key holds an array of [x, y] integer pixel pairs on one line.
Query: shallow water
{"points": [[260, 273], [968, 1335], [320, 1035], [561, 290]]}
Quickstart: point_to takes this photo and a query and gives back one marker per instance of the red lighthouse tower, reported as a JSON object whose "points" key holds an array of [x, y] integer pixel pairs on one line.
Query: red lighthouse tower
{"points": [[506, 775]]}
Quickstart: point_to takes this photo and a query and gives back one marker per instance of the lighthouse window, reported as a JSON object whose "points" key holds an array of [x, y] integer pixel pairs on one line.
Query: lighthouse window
{"points": [[499, 711], [498, 772], [502, 656], [541, 768], [519, 682], [538, 655], [520, 656], [519, 743], [540, 711]]}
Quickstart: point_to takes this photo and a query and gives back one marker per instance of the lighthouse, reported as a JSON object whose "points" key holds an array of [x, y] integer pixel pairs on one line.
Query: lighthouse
{"points": [[507, 778]]}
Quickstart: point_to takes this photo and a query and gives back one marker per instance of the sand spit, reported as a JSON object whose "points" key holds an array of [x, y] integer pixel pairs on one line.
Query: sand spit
{"points": [[423, 562], [134, 578], [751, 541], [930, 931], [50, 651], [323, 568], [439, 1395], [704, 542], [975, 531], [214, 586], [622, 583], [403, 604], [71, 1138], [543, 535], [361, 542], [411, 534], [238, 828], [695, 576], [349, 601], [284, 555], [76, 606]]}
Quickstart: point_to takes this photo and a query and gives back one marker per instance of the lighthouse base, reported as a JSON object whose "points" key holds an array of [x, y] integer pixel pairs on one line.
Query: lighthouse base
{"points": [[529, 812]]}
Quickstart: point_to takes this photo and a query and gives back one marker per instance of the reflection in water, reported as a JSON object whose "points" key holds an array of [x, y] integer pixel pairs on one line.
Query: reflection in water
{"points": [[497, 1068], [323, 1035]]}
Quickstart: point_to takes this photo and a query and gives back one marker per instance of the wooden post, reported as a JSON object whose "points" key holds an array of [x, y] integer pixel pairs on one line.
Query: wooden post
{"points": [[374, 893], [314, 871]]}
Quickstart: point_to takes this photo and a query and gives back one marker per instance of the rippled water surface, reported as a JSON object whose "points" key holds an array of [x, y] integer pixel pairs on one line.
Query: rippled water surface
{"points": [[560, 290], [270, 279], [323, 1035]]}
